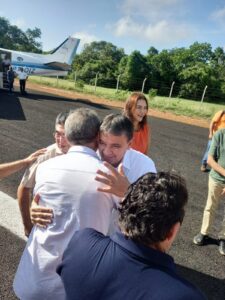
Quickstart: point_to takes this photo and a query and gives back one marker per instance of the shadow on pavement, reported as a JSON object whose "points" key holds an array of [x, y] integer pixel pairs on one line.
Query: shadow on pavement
{"points": [[11, 248], [10, 106], [213, 288], [43, 97], [212, 241]]}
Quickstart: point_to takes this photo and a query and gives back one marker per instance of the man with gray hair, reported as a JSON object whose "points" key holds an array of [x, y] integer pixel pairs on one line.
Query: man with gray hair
{"points": [[66, 184]]}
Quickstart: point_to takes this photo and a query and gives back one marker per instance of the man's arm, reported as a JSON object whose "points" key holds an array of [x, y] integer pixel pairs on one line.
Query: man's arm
{"points": [[7, 169], [24, 200], [116, 183], [215, 166]]}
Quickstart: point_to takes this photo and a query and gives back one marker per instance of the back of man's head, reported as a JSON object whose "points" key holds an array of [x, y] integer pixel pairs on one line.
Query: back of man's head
{"points": [[152, 206], [117, 124], [82, 126]]}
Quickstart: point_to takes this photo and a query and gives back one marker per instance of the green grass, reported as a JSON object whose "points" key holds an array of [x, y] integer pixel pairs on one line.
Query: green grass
{"points": [[177, 106], [185, 107]]}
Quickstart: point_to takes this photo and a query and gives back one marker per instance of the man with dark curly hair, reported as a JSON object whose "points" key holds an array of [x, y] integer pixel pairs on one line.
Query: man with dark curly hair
{"points": [[132, 264]]}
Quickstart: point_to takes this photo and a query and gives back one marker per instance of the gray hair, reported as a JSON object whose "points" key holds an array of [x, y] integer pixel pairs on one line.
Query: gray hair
{"points": [[82, 126]]}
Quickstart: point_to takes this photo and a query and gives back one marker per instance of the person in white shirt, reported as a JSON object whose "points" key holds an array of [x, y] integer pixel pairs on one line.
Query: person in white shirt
{"points": [[116, 133], [66, 184], [126, 165], [27, 183], [22, 78]]}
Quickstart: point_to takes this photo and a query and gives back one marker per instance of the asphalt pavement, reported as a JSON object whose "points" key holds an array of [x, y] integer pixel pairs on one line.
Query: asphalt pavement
{"points": [[27, 124]]}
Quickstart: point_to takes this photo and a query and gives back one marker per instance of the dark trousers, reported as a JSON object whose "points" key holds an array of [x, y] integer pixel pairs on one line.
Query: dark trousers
{"points": [[10, 86], [22, 85]]}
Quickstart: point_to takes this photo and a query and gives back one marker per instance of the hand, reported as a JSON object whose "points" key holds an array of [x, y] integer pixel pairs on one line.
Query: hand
{"points": [[116, 182], [223, 191], [40, 216], [32, 157]]}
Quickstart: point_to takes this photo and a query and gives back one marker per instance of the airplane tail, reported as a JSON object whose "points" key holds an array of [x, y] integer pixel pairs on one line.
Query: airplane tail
{"points": [[65, 52]]}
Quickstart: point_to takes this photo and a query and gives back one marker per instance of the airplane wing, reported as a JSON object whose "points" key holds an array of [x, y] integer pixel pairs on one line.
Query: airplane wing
{"points": [[58, 65]]}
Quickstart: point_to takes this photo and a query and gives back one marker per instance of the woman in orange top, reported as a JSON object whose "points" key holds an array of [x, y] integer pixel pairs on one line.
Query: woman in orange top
{"points": [[136, 109]]}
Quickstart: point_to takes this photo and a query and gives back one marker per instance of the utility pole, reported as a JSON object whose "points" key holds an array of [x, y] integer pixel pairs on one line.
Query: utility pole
{"points": [[171, 89], [143, 84]]}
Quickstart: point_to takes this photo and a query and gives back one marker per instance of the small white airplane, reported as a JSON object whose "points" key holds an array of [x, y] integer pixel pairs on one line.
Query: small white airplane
{"points": [[57, 63]]}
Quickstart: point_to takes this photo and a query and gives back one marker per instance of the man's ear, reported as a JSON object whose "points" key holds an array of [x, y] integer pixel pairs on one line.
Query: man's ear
{"points": [[173, 233], [97, 139], [98, 136], [129, 143]]}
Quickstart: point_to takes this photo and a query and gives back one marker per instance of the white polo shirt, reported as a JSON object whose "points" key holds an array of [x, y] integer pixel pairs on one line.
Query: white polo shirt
{"points": [[66, 184], [28, 179], [22, 75], [136, 164]]}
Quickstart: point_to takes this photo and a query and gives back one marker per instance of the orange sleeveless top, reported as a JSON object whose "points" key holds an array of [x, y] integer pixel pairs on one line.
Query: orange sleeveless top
{"points": [[140, 139]]}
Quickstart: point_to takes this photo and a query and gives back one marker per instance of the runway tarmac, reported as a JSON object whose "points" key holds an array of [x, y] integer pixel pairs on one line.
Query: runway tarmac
{"points": [[27, 123]]}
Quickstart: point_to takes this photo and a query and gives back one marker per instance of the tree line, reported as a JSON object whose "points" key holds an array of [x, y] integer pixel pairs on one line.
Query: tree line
{"points": [[191, 69], [11, 37]]}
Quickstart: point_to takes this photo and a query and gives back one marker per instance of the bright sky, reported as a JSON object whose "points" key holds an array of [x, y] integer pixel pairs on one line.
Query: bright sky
{"points": [[128, 24]]}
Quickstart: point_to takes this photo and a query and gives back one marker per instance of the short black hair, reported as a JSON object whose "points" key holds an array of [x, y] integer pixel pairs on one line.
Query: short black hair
{"points": [[117, 124], [152, 205], [61, 118]]}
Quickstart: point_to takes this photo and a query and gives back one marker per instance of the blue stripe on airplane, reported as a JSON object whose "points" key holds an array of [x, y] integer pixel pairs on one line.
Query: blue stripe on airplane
{"points": [[36, 66]]}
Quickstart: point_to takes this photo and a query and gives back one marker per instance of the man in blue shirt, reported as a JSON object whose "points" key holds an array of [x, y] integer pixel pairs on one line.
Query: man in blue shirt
{"points": [[132, 264], [10, 78]]}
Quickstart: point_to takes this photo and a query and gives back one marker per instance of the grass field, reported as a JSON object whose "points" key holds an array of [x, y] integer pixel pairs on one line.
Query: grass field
{"points": [[178, 106]]}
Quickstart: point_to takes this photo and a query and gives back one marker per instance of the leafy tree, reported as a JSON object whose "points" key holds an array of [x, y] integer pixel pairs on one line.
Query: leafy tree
{"points": [[11, 37], [181, 58], [152, 51], [201, 52], [32, 35], [196, 78], [163, 71], [133, 69], [218, 57], [101, 57]]}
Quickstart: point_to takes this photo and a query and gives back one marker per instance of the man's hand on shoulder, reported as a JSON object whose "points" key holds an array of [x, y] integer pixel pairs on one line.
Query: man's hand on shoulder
{"points": [[116, 182], [32, 157]]}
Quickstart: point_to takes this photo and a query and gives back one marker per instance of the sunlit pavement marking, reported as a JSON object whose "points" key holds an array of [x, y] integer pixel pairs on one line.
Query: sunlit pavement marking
{"points": [[10, 216]]}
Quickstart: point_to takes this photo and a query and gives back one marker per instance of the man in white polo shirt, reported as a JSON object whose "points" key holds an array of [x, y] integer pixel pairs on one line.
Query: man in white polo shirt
{"points": [[116, 134], [66, 184], [126, 165], [22, 78]]}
